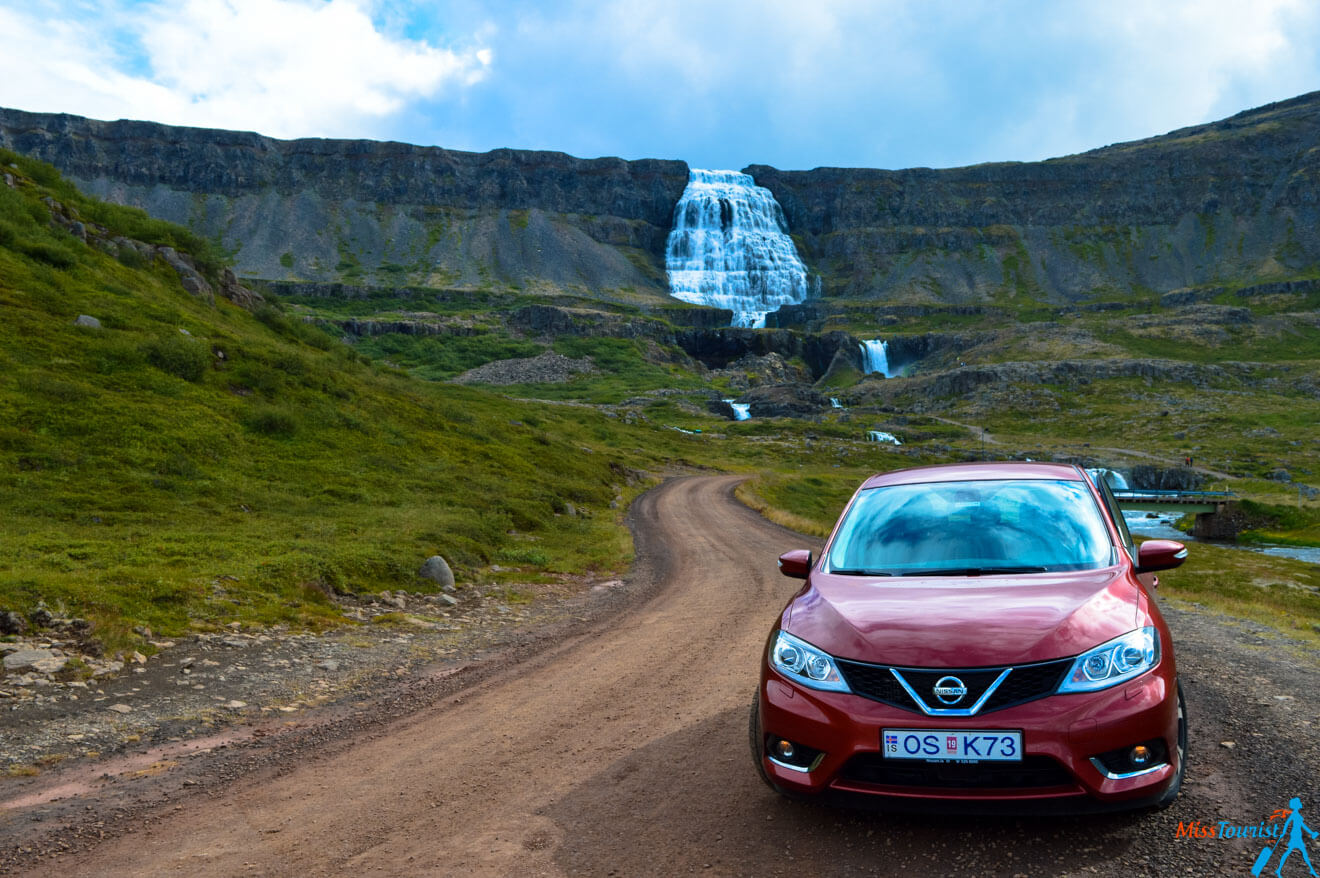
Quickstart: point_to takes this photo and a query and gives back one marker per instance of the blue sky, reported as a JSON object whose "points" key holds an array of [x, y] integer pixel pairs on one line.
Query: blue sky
{"points": [[870, 83]]}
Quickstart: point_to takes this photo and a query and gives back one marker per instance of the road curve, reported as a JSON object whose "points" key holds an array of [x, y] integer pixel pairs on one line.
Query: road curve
{"points": [[623, 751]]}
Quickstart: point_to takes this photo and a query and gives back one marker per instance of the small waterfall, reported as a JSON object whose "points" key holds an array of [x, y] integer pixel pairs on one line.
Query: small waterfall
{"points": [[875, 357], [730, 248], [834, 403], [742, 411], [1117, 481], [882, 436]]}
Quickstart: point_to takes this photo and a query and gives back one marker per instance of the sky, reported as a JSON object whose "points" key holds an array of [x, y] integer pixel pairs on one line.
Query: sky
{"points": [[793, 84]]}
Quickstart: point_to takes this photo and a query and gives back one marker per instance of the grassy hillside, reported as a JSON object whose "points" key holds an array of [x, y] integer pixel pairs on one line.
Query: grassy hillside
{"points": [[193, 464]]}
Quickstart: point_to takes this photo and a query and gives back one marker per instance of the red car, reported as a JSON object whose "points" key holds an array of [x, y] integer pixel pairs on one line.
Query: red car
{"points": [[976, 636]]}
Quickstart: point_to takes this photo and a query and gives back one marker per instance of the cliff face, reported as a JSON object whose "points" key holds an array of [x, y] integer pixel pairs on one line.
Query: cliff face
{"points": [[381, 212], [1226, 202]]}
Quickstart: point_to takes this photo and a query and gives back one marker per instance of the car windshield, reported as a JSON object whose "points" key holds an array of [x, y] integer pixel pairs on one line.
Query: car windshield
{"points": [[972, 527]]}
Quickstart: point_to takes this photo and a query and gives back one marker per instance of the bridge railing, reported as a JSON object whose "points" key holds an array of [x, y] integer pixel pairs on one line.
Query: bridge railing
{"points": [[1198, 496]]}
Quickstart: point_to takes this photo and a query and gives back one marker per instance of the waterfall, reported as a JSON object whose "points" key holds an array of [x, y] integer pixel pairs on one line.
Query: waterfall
{"points": [[875, 357], [834, 403], [742, 411], [1117, 481], [730, 248], [882, 436]]}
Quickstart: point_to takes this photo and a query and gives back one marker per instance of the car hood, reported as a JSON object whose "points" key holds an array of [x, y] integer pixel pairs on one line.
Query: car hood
{"points": [[965, 622]]}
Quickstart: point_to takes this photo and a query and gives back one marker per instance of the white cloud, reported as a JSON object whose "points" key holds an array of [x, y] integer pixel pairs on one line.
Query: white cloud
{"points": [[287, 68], [1144, 69], [887, 83]]}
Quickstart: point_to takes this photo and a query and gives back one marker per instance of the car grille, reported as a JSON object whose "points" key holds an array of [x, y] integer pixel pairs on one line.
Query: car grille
{"points": [[1033, 772], [1023, 683]]}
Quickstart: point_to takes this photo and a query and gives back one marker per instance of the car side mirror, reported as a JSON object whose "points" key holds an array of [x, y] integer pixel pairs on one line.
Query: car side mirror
{"points": [[1155, 555], [796, 563]]}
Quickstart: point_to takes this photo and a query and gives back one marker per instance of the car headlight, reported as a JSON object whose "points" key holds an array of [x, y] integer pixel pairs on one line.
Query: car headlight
{"points": [[1111, 663], [803, 663]]}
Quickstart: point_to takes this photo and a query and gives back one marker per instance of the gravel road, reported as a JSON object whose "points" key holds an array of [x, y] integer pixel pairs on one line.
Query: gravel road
{"points": [[615, 744]]}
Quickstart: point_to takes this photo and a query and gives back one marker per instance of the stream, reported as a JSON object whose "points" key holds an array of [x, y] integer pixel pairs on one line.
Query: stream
{"points": [[1160, 526]]}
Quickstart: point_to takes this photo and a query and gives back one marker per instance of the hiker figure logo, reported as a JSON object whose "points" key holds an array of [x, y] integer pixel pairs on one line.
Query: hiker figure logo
{"points": [[1289, 838]]}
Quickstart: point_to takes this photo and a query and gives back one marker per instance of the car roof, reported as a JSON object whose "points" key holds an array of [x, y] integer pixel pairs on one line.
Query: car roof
{"points": [[980, 471]]}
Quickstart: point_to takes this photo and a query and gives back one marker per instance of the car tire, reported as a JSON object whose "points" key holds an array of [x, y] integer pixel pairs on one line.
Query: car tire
{"points": [[1167, 799], [756, 740]]}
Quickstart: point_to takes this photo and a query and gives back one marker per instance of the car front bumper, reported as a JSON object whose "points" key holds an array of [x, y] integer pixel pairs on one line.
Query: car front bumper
{"points": [[1062, 736]]}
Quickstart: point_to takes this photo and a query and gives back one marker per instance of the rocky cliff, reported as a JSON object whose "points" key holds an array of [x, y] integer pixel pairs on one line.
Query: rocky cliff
{"points": [[1223, 203], [380, 212]]}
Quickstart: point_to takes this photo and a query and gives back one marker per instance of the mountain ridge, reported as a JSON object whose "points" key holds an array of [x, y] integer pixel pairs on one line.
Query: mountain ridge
{"points": [[1224, 203]]}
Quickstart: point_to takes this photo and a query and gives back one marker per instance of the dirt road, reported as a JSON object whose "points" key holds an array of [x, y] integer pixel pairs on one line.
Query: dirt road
{"points": [[622, 751]]}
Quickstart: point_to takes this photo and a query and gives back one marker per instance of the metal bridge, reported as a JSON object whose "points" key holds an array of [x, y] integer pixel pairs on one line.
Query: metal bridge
{"points": [[1214, 510], [1186, 502]]}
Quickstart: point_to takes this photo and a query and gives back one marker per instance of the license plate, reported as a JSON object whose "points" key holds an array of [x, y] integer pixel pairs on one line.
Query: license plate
{"points": [[941, 745]]}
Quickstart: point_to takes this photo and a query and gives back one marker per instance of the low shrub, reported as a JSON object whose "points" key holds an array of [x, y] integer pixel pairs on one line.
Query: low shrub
{"points": [[180, 356], [272, 422]]}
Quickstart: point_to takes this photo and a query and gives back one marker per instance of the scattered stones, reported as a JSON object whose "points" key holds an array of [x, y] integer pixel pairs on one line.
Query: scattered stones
{"points": [[545, 368], [198, 681], [436, 569]]}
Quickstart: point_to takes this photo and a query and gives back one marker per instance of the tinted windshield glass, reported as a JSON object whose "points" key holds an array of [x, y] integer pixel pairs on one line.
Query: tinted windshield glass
{"points": [[1026, 525]]}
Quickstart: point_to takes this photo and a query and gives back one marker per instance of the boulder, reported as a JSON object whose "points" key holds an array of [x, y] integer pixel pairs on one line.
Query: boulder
{"points": [[785, 401], [1153, 478], [87, 321], [12, 623], [43, 661], [436, 569], [189, 276], [720, 408]]}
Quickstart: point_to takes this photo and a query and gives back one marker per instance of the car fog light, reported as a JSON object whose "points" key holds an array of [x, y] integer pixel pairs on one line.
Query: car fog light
{"points": [[1140, 755], [784, 749]]}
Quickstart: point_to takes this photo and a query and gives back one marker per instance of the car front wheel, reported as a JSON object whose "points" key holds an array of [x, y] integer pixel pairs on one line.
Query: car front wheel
{"points": [[1167, 799]]}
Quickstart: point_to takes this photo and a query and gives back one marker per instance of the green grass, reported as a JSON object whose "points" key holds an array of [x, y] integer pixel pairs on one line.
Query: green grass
{"points": [[626, 367], [243, 470], [1286, 525], [438, 357], [1277, 592]]}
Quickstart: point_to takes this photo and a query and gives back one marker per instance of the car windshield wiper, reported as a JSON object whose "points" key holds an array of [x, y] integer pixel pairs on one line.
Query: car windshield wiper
{"points": [[858, 571], [973, 571]]}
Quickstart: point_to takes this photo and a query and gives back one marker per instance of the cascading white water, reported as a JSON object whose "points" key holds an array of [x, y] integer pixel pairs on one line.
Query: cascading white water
{"points": [[875, 357], [730, 248], [834, 403], [742, 411], [1116, 479]]}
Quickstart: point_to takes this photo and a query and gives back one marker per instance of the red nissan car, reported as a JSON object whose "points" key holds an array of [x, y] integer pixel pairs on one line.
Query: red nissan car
{"points": [[979, 637]]}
